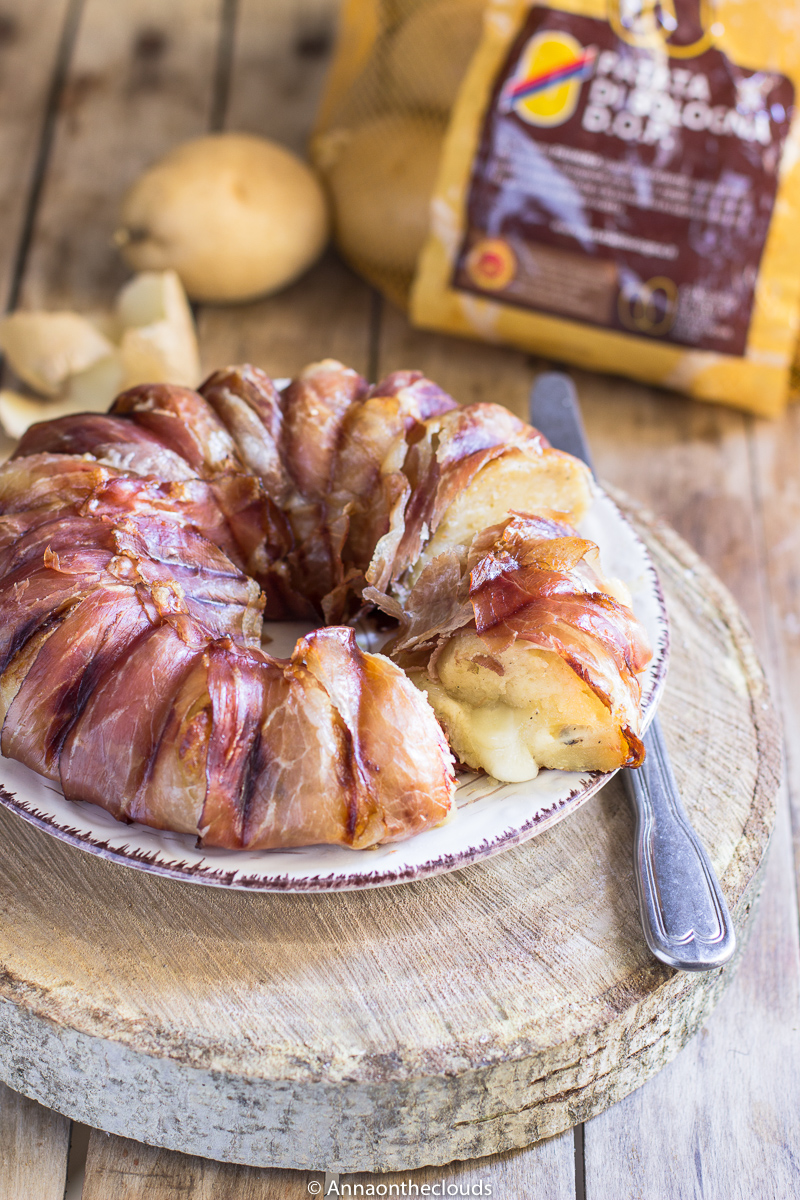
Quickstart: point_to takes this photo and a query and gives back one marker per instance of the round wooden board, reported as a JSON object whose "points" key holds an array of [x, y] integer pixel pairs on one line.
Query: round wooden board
{"points": [[449, 1018]]}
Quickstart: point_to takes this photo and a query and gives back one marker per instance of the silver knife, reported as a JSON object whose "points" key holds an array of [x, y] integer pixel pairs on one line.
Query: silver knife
{"points": [[684, 915]]}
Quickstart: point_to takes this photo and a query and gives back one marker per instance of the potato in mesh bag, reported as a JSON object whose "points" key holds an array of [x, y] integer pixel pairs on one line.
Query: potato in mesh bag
{"points": [[382, 122]]}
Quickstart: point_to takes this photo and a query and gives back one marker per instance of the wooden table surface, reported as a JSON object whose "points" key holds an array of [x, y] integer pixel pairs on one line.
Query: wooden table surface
{"points": [[93, 90]]}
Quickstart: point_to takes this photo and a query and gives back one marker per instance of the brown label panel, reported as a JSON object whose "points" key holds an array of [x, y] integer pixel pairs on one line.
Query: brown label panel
{"points": [[622, 188]]}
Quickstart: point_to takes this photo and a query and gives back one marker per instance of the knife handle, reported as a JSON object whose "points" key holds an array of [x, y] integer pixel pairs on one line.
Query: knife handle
{"points": [[684, 915]]}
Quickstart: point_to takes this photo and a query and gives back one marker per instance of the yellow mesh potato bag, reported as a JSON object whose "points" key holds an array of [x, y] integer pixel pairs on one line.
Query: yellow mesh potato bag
{"points": [[615, 184], [382, 123]]}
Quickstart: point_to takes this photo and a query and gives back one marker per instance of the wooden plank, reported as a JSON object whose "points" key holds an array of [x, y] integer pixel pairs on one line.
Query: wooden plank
{"points": [[120, 1169], [281, 56], [539, 1172], [32, 35], [34, 1143], [721, 1120], [326, 314], [471, 371], [141, 79], [776, 454], [277, 73], [76, 1165], [690, 463], [693, 464]]}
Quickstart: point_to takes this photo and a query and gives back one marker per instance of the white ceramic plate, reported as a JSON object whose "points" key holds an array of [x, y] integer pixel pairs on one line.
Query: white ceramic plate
{"points": [[491, 816]]}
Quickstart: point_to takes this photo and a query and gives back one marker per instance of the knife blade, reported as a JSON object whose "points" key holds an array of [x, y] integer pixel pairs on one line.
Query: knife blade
{"points": [[685, 917]]}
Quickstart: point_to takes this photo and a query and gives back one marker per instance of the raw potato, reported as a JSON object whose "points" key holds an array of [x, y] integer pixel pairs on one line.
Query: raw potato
{"points": [[94, 389], [153, 296], [159, 344], [236, 216], [18, 412], [44, 349], [382, 180], [157, 354], [91, 390], [430, 52]]}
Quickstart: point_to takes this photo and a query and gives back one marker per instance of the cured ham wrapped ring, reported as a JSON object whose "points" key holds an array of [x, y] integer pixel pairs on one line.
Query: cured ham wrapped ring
{"points": [[141, 550]]}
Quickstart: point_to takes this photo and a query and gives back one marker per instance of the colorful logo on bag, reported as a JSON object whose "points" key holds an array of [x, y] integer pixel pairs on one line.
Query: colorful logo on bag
{"points": [[546, 85], [491, 264]]}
